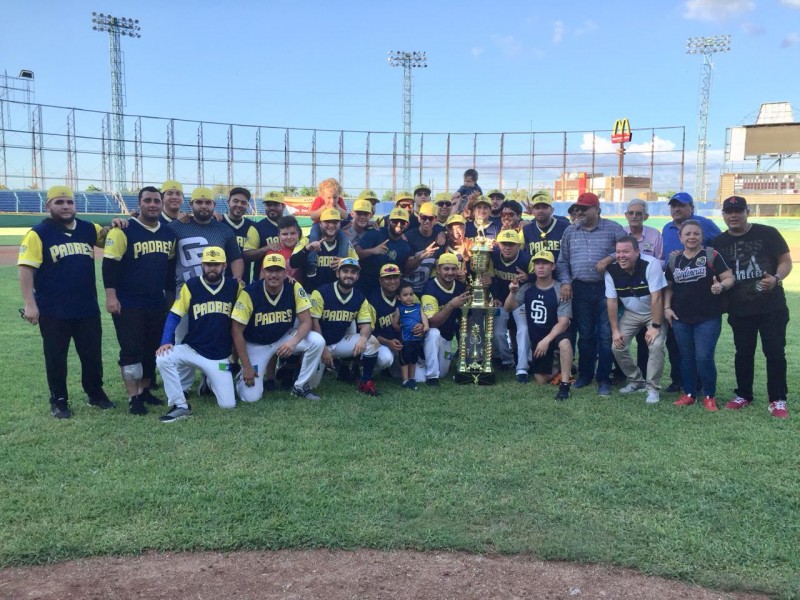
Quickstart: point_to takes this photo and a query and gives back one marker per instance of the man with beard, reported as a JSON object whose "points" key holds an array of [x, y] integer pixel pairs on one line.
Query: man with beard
{"points": [[511, 216], [443, 208], [637, 281], [509, 263], [56, 276], [329, 250], [422, 195], [172, 192], [760, 260], [586, 250], [246, 232], [424, 242], [681, 207], [335, 307], [496, 197], [360, 224], [405, 201], [456, 243], [384, 246], [263, 327], [442, 299], [138, 267], [545, 231], [267, 230], [206, 302], [192, 237]]}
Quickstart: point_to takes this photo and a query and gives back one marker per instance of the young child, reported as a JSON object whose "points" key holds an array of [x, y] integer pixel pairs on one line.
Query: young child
{"points": [[470, 187], [329, 197], [407, 318], [289, 233]]}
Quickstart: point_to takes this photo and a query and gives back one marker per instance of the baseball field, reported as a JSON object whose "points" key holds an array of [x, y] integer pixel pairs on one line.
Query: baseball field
{"points": [[699, 498]]}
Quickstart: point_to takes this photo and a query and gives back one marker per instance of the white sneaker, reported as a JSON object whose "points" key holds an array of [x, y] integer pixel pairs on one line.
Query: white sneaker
{"points": [[652, 397], [632, 387]]}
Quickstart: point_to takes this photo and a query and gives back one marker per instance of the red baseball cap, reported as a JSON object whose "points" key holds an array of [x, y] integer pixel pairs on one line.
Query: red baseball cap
{"points": [[587, 199]]}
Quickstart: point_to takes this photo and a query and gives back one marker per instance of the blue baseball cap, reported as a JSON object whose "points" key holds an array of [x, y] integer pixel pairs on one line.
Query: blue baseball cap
{"points": [[349, 262], [683, 198]]}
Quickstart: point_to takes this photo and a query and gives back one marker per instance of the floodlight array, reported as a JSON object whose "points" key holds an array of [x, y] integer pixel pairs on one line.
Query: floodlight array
{"points": [[120, 25], [400, 58], [708, 45]]}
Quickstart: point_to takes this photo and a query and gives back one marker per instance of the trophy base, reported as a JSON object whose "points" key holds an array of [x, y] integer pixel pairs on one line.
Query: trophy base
{"points": [[474, 378]]}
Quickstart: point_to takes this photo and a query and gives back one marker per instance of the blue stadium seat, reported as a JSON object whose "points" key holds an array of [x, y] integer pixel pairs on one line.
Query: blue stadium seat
{"points": [[8, 201], [30, 201]]}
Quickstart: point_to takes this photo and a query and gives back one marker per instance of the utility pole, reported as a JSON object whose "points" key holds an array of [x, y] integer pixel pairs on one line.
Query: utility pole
{"points": [[407, 60]]}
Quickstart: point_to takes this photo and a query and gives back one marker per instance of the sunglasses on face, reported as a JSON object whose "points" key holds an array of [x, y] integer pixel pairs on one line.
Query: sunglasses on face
{"points": [[580, 209], [447, 204], [508, 214], [427, 218]]}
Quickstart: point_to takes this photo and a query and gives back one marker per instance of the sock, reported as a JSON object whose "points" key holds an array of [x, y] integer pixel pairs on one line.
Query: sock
{"points": [[368, 366]]}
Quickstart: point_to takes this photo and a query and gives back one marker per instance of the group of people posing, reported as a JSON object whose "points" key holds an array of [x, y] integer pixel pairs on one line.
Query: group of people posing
{"points": [[252, 304]]}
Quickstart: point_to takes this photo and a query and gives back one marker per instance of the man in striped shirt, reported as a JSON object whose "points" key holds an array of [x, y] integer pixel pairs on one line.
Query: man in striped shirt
{"points": [[587, 248]]}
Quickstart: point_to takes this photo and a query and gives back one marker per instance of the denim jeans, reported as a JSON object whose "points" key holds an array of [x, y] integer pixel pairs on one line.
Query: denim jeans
{"points": [[698, 342], [772, 328], [590, 315]]}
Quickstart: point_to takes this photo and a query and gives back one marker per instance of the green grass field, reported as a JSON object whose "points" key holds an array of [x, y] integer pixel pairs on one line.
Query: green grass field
{"points": [[706, 498]]}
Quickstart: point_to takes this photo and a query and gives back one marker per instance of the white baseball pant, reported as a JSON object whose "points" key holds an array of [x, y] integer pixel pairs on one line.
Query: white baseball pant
{"points": [[216, 371], [344, 349]]}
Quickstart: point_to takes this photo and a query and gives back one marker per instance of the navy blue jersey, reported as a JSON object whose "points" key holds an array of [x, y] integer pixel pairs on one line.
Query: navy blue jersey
{"points": [[382, 310], [164, 218], [245, 231], [504, 272], [418, 243], [434, 296], [64, 281], [490, 231], [336, 312], [268, 232], [267, 318], [549, 238], [542, 309], [399, 251], [143, 254], [209, 310], [326, 255]]}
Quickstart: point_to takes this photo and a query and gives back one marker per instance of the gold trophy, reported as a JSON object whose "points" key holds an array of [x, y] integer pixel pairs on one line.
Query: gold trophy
{"points": [[477, 319]]}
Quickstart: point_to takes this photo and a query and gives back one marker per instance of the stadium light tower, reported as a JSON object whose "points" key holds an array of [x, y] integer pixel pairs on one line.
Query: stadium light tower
{"points": [[407, 60], [116, 28], [707, 46]]}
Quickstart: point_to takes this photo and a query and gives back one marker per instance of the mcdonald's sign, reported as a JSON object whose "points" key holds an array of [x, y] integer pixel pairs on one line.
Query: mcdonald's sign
{"points": [[622, 132]]}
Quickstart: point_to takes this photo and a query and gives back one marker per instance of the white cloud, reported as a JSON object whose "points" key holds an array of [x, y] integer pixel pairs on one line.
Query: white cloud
{"points": [[586, 27], [790, 40], [791, 3], [752, 28], [558, 32], [477, 51], [507, 44], [603, 145], [717, 10]]}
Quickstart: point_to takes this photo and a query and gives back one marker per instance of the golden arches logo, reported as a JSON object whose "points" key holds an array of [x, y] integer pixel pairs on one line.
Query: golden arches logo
{"points": [[622, 132]]}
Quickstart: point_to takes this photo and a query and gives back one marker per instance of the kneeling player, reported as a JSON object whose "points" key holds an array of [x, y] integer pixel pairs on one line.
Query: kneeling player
{"points": [[335, 306], [548, 321], [208, 301], [263, 326]]}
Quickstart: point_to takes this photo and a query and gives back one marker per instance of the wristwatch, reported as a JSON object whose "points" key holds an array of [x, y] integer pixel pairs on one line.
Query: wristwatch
{"points": [[655, 325]]}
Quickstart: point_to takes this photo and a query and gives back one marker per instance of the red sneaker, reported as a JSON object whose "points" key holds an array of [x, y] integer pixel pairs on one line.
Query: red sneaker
{"points": [[368, 388], [685, 400], [710, 404], [738, 403], [778, 409]]}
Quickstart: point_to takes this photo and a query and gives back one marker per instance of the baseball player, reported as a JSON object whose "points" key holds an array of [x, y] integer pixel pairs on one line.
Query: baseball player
{"points": [[172, 193], [334, 308], [268, 232], [207, 302], [329, 251], [264, 326], [56, 276], [243, 228], [138, 266]]}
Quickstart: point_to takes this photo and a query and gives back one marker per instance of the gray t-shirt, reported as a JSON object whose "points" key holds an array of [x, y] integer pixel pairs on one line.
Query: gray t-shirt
{"points": [[192, 239]]}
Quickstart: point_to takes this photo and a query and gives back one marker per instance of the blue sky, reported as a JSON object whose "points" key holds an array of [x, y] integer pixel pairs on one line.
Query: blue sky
{"points": [[498, 66]]}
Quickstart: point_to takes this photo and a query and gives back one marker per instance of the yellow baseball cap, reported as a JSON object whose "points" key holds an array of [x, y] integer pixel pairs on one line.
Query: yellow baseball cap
{"points": [[330, 214], [508, 235], [274, 197], [398, 214], [448, 258], [274, 260], [455, 219], [202, 193], [402, 196], [496, 193], [362, 205], [368, 195], [422, 188], [59, 191], [390, 270], [542, 197], [542, 255], [170, 186], [213, 254], [427, 210], [482, 200]]}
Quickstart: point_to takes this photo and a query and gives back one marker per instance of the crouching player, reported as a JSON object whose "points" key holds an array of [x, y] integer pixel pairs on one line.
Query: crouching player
{"points": [[208, 301], [263, 326], [335, 308], [548, 320]]}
